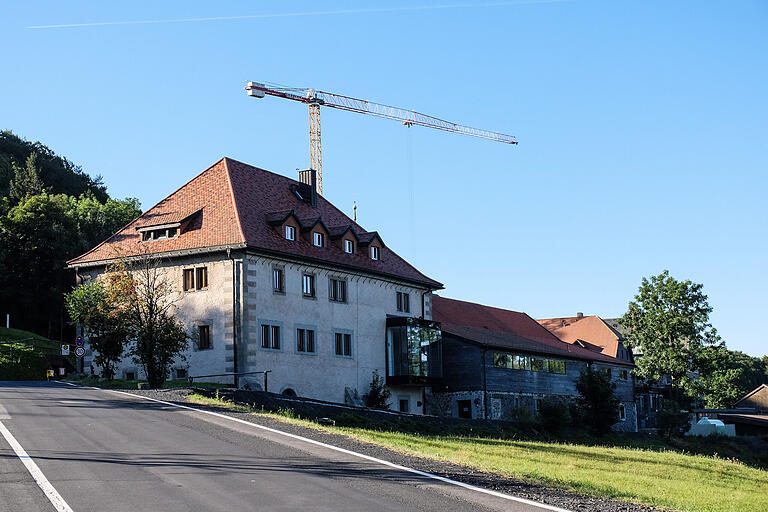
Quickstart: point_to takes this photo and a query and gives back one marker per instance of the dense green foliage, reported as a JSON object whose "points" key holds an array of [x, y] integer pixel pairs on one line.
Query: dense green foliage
{"points": [[50, 212], [727, 375], [57, 174], [597, 400], [668, 323]]}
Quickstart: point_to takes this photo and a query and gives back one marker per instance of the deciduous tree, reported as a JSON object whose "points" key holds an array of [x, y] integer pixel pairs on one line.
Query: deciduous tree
{"points": [[726, 375], [99, 308], [668, 322], [159, 336]]}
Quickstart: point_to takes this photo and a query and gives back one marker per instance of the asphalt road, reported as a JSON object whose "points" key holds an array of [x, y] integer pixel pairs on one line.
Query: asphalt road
{"points": [[107, 451]]}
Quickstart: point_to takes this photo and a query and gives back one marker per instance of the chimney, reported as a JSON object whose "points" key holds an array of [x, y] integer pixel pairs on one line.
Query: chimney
{"points": [[309, 177], [579, 315]]}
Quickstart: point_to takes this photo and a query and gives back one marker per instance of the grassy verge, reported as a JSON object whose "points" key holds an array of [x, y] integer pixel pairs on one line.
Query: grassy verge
{"points": [[23, 354], [665, 479], [134, 384]]}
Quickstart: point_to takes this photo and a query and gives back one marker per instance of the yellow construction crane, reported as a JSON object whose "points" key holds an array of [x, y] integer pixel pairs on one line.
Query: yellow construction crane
{"points": [[315, 99]]}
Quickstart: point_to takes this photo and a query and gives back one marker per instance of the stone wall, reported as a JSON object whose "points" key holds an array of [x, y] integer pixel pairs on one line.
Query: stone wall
{"points": [[505, 406]]}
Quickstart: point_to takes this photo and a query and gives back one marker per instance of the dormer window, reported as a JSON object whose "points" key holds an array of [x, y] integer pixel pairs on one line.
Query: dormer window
{"points": [[318, 239], [290, 233], [374, 253], [349, 246], [159, 233]]}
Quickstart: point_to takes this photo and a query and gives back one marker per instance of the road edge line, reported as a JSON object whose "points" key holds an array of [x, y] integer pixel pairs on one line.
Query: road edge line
{"points": [[42, 482], [342, 450]]}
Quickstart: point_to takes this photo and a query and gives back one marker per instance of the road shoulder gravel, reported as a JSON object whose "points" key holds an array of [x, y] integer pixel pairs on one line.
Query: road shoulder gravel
{"points": [[557, 497]]}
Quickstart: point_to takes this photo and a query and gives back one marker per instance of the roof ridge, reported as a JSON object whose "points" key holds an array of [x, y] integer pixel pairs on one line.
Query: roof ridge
{"points": [[234, 199], [483, 305]]}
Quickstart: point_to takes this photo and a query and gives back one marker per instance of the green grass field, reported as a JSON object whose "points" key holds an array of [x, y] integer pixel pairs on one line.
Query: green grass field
{"points": [[665, 479]]}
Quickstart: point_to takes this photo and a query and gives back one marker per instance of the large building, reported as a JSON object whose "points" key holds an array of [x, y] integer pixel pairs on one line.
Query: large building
{"points": [[498, 362], [271, 276]]}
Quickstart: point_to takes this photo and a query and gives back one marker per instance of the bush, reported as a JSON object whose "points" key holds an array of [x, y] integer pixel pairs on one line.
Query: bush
{"points": [[671, 420], [378, 395], [598, 401], [524, 419], [554, 415]]}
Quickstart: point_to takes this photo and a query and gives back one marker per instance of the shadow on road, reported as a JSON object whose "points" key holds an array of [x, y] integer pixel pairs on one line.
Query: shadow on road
{"points": [[208, 463]]}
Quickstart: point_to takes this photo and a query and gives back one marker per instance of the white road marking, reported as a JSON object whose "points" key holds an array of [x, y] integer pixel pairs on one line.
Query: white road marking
{"points": [[4, 413], [345, 451], [49, 490]]}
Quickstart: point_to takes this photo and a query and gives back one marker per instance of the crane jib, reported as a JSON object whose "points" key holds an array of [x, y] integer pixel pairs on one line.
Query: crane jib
{"points": [[408, 117]]}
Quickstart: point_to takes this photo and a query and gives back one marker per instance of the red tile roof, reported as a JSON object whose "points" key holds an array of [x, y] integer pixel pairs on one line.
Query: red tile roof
{"points": [[235, 202], [591, 329], [507, 329]]}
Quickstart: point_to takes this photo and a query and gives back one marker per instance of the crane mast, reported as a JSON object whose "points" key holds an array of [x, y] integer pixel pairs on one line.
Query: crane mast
{"points": [[315, 99]]}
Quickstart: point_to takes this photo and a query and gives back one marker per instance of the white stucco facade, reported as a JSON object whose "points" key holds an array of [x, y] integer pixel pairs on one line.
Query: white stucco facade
{"points": [[240, 298]]}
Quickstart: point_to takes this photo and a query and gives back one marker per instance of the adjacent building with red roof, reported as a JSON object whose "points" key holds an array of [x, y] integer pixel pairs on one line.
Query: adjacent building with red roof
{"points": [[590, 332], [497, 362]]}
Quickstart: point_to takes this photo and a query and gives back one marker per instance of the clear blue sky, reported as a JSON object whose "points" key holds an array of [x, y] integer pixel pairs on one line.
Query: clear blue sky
{"points": [[642, 131]]}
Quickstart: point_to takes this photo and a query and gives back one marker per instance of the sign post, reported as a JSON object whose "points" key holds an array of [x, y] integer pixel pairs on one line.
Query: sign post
{"points": [[79, 353]]}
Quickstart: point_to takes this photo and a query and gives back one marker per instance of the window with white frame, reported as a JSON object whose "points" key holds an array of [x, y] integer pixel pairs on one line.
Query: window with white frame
{"points": [[278, 280], [374, 253], [290, 233], [318, 239], [349, 246], [308, 285], [270, 336]]}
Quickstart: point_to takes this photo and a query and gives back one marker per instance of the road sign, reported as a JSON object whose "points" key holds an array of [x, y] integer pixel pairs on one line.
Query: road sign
{"points": [[49, 373], [65, 349], [79, 341], [62, 372], [79, 351]]}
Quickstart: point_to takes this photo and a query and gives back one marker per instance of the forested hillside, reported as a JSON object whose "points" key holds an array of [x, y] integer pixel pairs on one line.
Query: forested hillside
{"points": [[50, 211]]}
